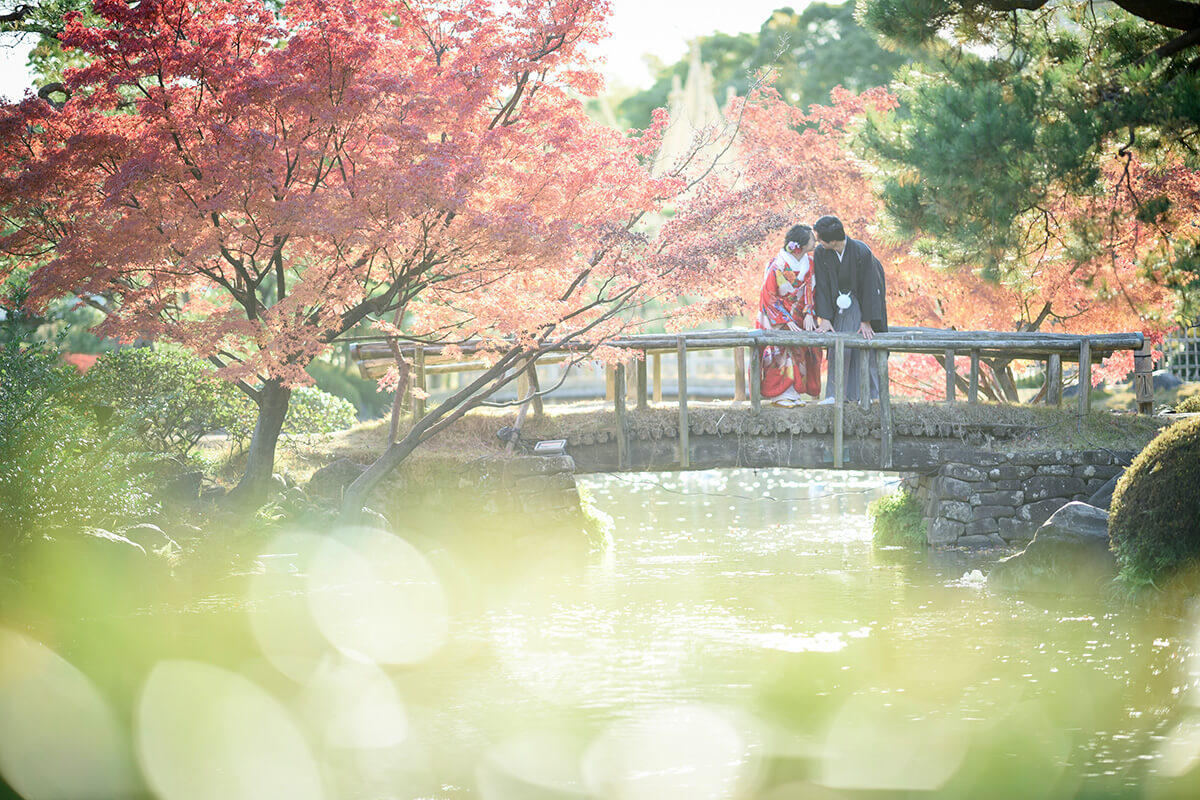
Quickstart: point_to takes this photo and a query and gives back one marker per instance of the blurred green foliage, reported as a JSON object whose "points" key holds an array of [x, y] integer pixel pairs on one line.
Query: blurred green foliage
{"points": [[60, 467], [809, 52]]}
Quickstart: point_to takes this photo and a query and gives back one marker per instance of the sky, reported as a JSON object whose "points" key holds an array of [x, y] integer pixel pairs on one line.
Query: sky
{"points": [[660, 27]]}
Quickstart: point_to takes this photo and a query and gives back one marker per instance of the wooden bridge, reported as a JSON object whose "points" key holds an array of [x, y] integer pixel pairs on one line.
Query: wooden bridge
{"points": [[873, 435]]}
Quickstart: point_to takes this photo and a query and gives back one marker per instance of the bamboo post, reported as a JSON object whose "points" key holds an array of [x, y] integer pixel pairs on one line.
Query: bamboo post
{"points": [[657, 377], [951, 377], [973, 381], [885, 412], [1054, 385], [1085, 375], [756, 379], [864, 378], [681, 354], [418, 403], [839, 399], [642, 402], [739, 373], [622, 422], [1143, 379]]}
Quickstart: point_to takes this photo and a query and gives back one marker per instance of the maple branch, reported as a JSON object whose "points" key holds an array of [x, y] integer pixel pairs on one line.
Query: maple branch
{"points": [[254, 394], [49, 89], [277, 258]]}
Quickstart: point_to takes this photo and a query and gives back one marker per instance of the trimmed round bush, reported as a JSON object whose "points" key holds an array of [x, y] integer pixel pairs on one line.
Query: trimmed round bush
{"points": [[1154, 522], [1189, 405], [311, 410]]}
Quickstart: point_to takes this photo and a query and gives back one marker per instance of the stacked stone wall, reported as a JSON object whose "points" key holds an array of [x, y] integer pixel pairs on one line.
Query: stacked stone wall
{"points": [[520, 499], [1002, 498]]}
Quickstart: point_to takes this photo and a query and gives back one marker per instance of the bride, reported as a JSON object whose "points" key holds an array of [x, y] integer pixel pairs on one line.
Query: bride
{"points": [[785, 304]]}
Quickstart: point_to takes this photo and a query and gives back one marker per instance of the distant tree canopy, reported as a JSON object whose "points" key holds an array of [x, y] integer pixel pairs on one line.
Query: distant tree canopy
{"points": [[1033, 127], [811, 52]]}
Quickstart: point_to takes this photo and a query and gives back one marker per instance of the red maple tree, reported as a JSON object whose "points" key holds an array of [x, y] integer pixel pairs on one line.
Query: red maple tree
{"points": [[254, 184]]}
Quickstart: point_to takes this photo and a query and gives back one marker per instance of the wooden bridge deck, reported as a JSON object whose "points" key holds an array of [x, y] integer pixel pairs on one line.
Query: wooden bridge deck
{"points": [[873, 435]]}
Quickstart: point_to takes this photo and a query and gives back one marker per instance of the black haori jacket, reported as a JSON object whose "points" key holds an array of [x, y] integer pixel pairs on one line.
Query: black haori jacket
{"points": [[860, 273]]}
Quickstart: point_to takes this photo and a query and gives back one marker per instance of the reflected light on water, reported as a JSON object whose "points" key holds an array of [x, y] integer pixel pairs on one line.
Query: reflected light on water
{"points": [[282, 621], [683, 752], [753, 645], [532, 763], [58, 737], [203, 732], [876, 745], [354, 705], [375, 597]]}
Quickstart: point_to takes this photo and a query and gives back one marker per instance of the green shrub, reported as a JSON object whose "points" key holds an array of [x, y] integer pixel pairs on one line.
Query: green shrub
{"points": [[1189, 405], [346, 382], [59, 468], [1154, 521], [170, 398], [896, 520], [311, 410]]}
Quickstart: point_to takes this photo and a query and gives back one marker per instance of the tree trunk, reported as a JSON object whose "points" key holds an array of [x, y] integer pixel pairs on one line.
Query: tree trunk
{"points": [[355, 496], [272, 402]]}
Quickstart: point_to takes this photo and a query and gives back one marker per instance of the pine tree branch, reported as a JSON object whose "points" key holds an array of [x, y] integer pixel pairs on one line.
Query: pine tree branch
{"points": [[1168, 13]]}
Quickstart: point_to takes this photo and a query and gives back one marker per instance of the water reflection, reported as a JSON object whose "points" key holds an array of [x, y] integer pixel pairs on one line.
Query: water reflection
{"points": [[742, 639]]}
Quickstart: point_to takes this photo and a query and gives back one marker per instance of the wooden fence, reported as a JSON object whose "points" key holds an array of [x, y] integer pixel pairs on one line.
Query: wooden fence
{"points": [[1054, 349], [1181, 354]]}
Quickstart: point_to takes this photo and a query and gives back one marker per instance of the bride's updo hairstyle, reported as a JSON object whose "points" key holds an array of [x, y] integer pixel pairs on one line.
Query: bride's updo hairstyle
{"points": [[797, 238]]}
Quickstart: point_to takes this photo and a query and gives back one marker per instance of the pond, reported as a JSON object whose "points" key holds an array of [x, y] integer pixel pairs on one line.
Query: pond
{"points": [[743, 638]]}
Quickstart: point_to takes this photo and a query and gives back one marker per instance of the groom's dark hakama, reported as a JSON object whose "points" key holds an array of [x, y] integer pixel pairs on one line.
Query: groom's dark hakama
{"points": [[858, 275]]}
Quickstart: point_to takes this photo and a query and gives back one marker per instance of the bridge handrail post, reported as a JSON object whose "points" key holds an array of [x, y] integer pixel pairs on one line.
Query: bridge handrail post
{"points": [[885, 412], [951, 375], [739, 374], [1054, 387], [658, 388], [681, 355], [630, 384], [839, 399], [622, 422], [642, 401], [539, 406], [1143, 379], [973, 380], [755, 376], [1085, 375], [865, 356]]}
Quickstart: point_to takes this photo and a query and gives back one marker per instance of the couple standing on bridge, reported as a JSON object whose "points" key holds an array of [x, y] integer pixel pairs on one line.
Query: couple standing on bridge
{"points": [[825, 282]]}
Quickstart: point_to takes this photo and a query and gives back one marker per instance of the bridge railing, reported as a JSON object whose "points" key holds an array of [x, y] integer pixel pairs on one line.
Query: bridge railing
{"points": [[374, 356]]}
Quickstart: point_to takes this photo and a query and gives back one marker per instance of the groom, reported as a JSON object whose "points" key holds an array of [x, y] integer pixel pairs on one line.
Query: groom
{"points": [[851, 297]]}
